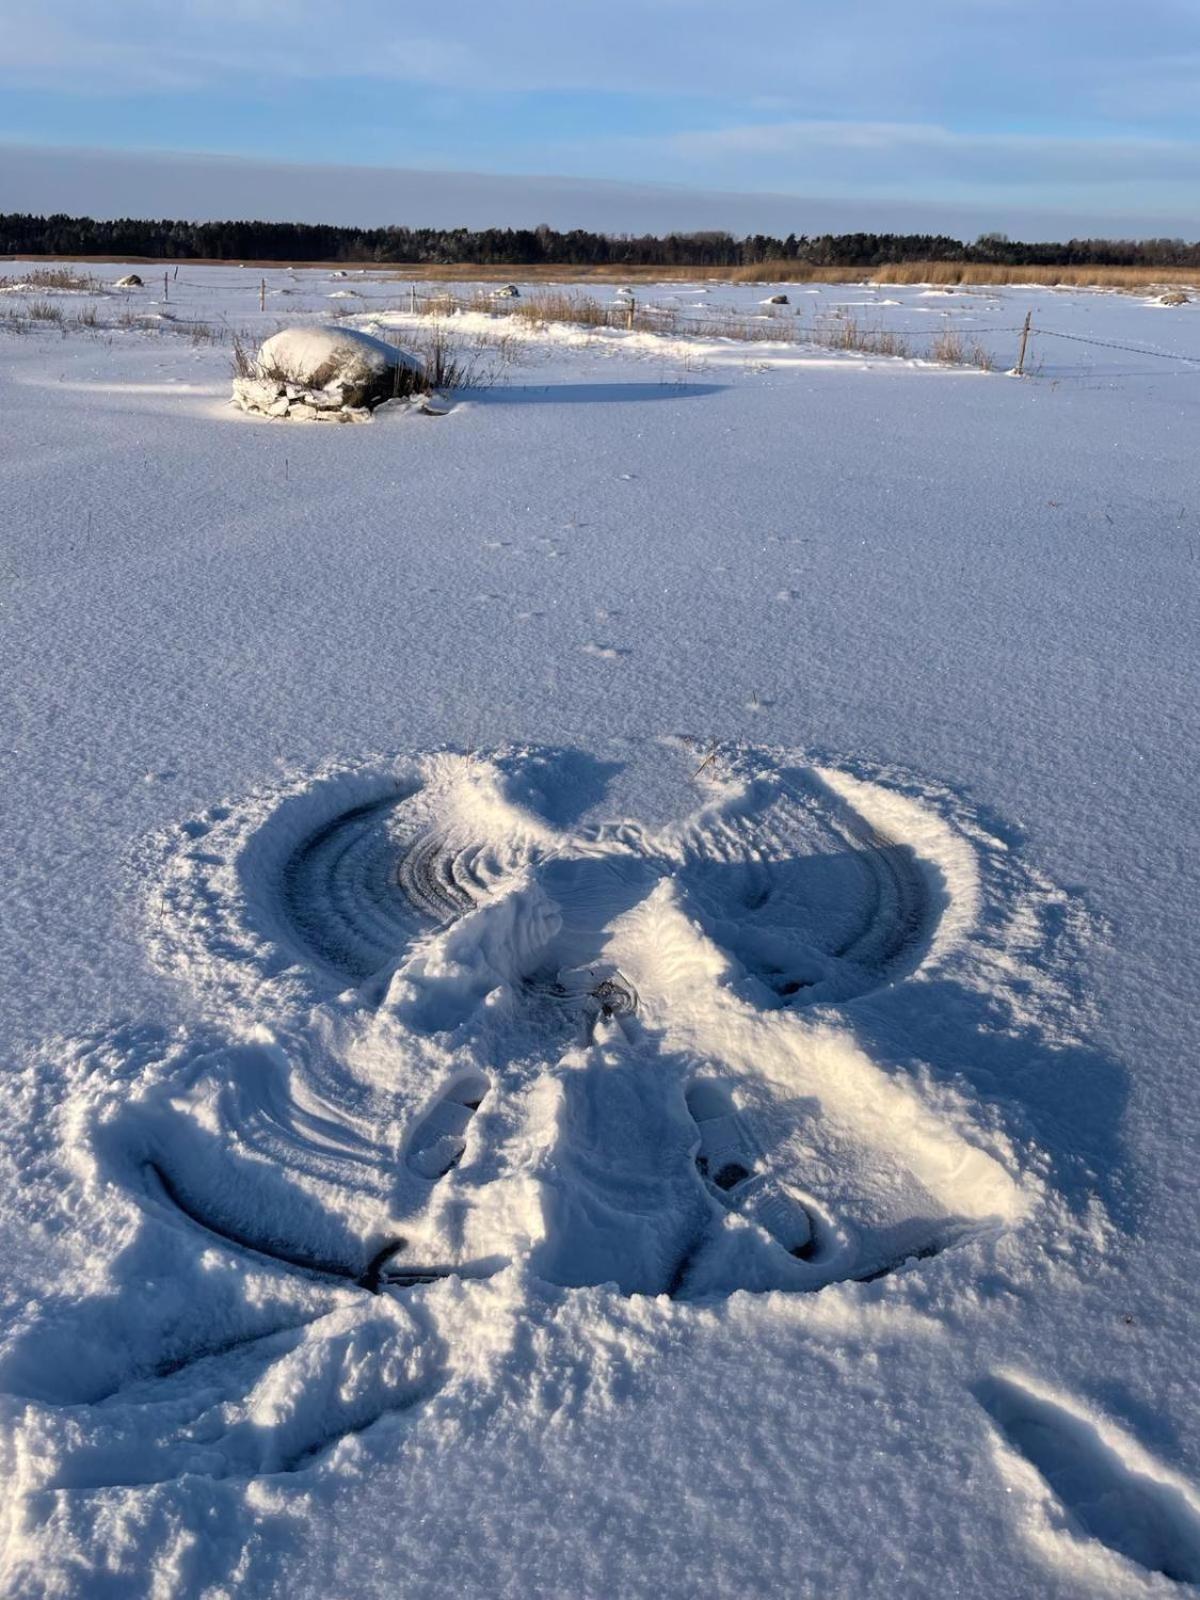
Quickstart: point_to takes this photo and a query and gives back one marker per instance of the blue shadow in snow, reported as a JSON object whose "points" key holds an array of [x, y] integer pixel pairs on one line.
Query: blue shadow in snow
{"points": [[570, 394], [560, 785]]}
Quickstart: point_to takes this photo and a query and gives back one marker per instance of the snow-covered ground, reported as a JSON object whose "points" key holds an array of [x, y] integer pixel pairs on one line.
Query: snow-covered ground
{"points": [[598, 990]]}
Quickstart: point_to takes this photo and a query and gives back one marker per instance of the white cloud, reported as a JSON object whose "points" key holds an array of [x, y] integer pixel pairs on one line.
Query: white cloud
{"points": [[872, 58]]}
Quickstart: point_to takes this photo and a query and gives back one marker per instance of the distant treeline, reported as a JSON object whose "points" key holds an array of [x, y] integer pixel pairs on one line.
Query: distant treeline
{"points": [[300, 241]]}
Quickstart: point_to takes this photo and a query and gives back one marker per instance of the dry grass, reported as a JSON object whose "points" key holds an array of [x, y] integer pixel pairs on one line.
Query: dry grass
{"points": [[552, 272], [59, 278], [767, 272], [243, 360], [952, 349], [952, 273], [44, 311], [839, 331], [446, 366], [848, 333], [744, 329], [579, 310]]}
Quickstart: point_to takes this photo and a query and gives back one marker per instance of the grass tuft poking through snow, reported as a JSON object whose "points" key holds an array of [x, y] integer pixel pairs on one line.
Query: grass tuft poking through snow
{"points": [[953, 349], [61, 279]]}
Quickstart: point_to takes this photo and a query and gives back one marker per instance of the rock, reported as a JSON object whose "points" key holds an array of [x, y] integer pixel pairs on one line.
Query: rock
{"points": [[317, 357], [331, 399], [326, 374], [776, 300], [129, 281], [256, 394], [1174, 297]]}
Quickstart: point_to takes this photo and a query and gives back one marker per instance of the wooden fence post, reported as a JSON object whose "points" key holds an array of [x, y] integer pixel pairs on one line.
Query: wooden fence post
{"points": [[1024, 342], [166, 288], [262, 294], [629, 310]]}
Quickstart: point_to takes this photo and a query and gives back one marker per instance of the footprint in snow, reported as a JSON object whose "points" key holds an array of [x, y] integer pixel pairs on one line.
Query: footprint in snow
{"points": [[732, 1169], [1108, 1488]]}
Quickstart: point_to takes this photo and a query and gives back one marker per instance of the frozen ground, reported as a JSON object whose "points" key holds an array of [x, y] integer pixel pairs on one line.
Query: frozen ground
{"points": [[599, 990]]}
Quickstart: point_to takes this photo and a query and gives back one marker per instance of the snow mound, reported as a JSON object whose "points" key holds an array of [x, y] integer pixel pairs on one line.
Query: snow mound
{"points": [[327, 375], [317, 357]]}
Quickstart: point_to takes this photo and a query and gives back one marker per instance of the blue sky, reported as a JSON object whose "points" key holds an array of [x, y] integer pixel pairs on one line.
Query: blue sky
{"points": [[998, 109]]}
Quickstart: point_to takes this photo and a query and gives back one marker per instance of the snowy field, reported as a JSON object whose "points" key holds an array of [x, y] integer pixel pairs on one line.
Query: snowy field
{"points": [[599, 989]]}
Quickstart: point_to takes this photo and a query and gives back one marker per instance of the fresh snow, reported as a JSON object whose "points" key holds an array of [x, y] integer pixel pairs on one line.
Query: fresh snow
{"points": [[318, 355], [598, 988]]}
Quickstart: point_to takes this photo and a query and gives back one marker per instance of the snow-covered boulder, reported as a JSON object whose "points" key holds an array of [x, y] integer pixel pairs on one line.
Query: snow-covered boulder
{"points": [[321, 356], [509, 291], [776, 300], [129, 281], [325, 374]]}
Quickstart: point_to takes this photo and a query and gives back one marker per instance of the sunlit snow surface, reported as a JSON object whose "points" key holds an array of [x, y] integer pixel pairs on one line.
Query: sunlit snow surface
{"points": [[598, 988]]}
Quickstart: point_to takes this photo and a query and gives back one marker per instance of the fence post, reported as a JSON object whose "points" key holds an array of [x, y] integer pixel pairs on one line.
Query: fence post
{"points": [[262, 294], [412, 300], [166, 288], [629, 310], [1024, 342]]}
